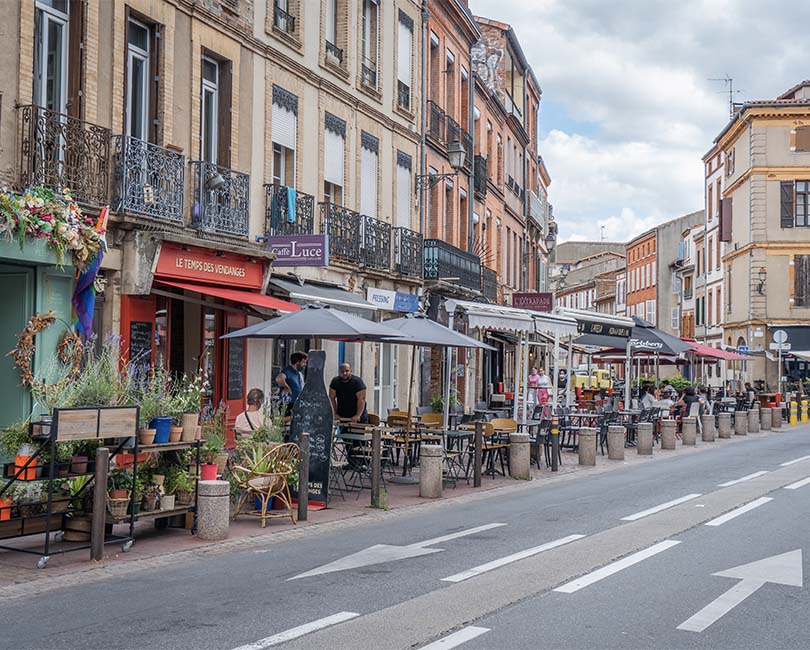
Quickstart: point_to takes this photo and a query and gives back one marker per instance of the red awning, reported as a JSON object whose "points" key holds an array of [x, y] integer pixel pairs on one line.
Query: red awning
{"points": [[236, 295], [701, 350]]}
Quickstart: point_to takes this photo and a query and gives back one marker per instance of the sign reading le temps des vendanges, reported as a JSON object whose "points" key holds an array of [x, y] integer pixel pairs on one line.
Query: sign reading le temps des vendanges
{"points": [[299, 250]]}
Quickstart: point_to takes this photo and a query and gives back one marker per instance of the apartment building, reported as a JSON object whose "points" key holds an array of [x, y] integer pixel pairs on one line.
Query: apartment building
{"points": [[591, 283], [711, 333]]}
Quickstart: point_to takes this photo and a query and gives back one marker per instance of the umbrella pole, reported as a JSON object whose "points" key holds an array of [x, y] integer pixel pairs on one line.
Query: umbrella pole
{"points": [[628, 368], [569, 380], [408, 418], [526, 377], [656, 370], [556, 376], [448, 352]]}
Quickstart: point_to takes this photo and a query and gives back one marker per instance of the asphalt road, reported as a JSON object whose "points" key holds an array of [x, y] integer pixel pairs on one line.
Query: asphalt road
{"points": [[249, 600]]}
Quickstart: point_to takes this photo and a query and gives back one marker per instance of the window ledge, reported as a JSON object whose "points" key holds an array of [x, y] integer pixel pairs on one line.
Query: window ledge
{"points": [[371, 91], [330, 64], [290, 39], [405, 112]]}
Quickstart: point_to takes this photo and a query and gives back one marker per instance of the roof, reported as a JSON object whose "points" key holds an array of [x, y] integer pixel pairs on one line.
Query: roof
{"points": [[663, 224], [515, 43], [790, 92]]}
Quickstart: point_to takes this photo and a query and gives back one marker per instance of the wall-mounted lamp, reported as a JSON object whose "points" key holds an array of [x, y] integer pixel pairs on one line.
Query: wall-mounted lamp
{"points": [[762, 275]]}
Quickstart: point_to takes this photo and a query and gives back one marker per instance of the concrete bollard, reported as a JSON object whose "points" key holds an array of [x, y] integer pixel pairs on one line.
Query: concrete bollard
{"points": [[430, 471], [587, 446], [689, 431], [644, 440], [668, 428], [213, 504], [753, 420], [616, 437], [707, 425], [765, 419], [519, 456], [724, 425], [776, 418], [740, 423]]}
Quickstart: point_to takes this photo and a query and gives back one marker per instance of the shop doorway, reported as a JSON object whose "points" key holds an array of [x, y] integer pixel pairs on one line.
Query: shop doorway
{"points": [[385, 378], [18, 305]]}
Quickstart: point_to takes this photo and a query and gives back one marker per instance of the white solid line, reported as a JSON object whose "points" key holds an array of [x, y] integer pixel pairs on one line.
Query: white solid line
{"points": [[461, 533], [301, 630], [798, 484], [794, 461], [615, 567], [663, 506], [495, 564], [720, 606], [457, 638], [744, 478], [739, 511]]}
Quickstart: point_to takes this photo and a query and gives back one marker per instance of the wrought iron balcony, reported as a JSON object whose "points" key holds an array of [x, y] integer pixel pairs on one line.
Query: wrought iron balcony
{"points": [[450, 264], [368, 73], [375, 252], [148, 180], [489, 284], [58, 151], [436, 122], [467, 141], [342, 227], [221, 208], [510, 182], [283, 20], [403, 96], [335, 51], [453, 131], [480, 176], [408, 252], [283, 221]]}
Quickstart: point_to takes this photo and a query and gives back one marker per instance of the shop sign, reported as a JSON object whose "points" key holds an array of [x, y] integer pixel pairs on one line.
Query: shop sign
{"points": [[393, 300], [299, 250], [533, 301], [595, 327], [203, 265]]}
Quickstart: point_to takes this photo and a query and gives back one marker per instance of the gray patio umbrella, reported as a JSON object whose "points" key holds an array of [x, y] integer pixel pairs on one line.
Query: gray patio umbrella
{"points": [[318, 321]]}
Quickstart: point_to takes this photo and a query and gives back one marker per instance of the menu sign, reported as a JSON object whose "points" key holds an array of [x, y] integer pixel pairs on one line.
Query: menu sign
{"points": [[595, 327], [533, 301], [202, 265]]}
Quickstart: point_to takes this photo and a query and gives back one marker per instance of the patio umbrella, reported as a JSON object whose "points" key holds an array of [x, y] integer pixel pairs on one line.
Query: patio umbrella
{"points": [[645, 338], [318, 321]]}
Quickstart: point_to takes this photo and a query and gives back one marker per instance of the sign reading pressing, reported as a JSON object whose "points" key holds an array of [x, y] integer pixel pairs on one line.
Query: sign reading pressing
{"points": [[533, 301], [595, 327], [393, 300], [203, 265], [299, 250]]}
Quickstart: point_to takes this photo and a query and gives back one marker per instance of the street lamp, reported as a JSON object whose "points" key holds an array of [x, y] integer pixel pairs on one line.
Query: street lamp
{"points": [[456, 154], [763, 273]]}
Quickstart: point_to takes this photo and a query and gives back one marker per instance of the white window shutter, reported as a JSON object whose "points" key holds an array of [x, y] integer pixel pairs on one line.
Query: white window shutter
{"points": [[333, 158], [404, 49], [403, 197], [284, 127], [368, 182]]}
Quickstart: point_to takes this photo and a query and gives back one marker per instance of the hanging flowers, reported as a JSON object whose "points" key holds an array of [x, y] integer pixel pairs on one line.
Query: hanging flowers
{"points": [[40, 213]]}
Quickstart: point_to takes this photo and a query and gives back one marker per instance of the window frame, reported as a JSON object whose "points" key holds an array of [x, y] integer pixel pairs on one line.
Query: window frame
{"points": [[44, 15], [144, 56], [212, 89], [801, 198]]}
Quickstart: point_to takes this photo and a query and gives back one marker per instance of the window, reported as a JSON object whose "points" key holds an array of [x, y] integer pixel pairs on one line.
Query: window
{"points": [[404, 165], [717, 315], [729, 162], [803, 138], [210, 109], [500, 164], [801, 281], [448, 211], [335, 39], [673, 318], [334, 138], [284, 133], [137, 79], [650, 311], [709, 252], [432, 217], [710, 305], [710, 202], [652, 272], [718, 195], [450, 84], [51, 55], [283, 17], [369, 152], [802, 203], [368, 65], [718, 254], [404, 54]]}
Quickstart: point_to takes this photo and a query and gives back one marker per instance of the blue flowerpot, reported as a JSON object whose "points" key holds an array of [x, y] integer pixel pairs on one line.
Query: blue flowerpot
{"points": [[257, 503], [162, 427]]}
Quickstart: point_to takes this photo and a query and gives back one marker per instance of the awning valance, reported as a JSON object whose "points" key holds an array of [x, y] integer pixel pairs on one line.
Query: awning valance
{"points": [[492, 317], [235, 295], [701, 350], [312, 293]]}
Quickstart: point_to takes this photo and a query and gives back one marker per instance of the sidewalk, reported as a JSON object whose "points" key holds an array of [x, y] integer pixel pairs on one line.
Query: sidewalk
{"points": [[155, 548]]}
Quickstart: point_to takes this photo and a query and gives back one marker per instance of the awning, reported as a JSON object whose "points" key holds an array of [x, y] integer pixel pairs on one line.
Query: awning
{"points": [[311, 293], [235, 295], [552, 324], [492, 317], [804, 355], [707, 351], [590, 318]]}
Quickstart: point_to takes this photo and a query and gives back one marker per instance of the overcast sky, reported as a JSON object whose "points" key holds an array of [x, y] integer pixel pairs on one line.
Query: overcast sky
{"points": [[627, 109]]}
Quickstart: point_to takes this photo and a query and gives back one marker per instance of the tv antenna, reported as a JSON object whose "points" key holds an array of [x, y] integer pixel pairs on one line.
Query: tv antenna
{"points": [[602, 233], [728, 82]]}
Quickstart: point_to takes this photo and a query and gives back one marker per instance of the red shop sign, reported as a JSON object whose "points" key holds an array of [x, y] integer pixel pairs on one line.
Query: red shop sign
{"points": [[534, 301], [212, 267]]}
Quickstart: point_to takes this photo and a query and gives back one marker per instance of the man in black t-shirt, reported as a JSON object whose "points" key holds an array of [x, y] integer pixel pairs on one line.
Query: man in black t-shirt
{"points": [[348, 395]]}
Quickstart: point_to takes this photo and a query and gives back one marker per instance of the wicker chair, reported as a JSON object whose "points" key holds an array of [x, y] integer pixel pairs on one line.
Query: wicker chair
{"points": [[267, 479]]}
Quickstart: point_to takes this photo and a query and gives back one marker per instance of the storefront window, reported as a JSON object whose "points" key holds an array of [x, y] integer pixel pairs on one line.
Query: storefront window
{"points": [[209, 359], [161, 331]]}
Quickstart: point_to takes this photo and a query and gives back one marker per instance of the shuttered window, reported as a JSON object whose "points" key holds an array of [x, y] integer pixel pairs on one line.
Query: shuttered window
{"points": [[285, 118], [403, 195], [404, 49], [801, 278], [803, 138], [802, 203], [333, 146], [786, 204], [368, 175], [725, 219]]}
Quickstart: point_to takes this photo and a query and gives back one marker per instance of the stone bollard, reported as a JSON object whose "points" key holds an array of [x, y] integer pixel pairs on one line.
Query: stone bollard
{"points": [[724, 425], [587, 446], [519, 459], [644, 440], [707, 424], [776, 418], [765, 419], [668, 436], [616, 437], [213, 504], [430, 471], [740, 423], [753, 420], [689, 431]]}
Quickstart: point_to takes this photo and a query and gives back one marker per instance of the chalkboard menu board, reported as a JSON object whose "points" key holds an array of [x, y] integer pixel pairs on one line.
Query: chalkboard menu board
{"points": [[140, 343], [236, 368]]}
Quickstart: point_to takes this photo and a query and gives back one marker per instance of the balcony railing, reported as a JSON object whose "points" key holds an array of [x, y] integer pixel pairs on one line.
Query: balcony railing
{"points": [[451, 264], [148, 180], [489, 284], [376, 249], [58, 151], [335, 51], [408, 252], [281, 220], [283, 20], [467, 141], [403, 96], [436, 122], [510, 182], [480, 176], [368, 72], [224, 208], [342, 227], [453, 131]]}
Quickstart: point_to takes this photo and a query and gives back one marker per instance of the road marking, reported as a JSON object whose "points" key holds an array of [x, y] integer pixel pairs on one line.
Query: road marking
{"points": [[794, 461], [615, 567], [381, 553], [798, 484], [663, 506], [301, 630], [457, 638], [784, 569], [495, 564], [738, 511], [744, 478]]}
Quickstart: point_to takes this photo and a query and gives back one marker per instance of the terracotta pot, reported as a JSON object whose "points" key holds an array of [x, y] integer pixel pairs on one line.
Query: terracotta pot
{"points": [[184, 498], [198, 433], [167, 502], [118, 494], [190, 421], [222, 461], [78, 465], [146, 436], [175, 434], [148, 504]]}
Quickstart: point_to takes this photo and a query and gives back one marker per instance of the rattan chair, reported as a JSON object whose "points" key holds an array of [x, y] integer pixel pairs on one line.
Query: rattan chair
{"points": [[267, 479]]}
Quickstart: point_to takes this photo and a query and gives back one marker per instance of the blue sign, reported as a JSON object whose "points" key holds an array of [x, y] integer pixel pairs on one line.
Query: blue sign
{"points": [[743, 349], [393, 300], [406, 302]]}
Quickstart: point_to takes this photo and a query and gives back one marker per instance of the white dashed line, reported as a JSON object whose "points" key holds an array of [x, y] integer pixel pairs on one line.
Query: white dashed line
{"points": [[744, 478], [659, 508], [739, 511], [457, 638], [798, 484], [794, 461], [301, 630]]}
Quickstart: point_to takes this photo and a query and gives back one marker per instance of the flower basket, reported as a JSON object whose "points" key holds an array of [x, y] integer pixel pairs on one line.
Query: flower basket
{"points": [[117, 507], [184, 498]]}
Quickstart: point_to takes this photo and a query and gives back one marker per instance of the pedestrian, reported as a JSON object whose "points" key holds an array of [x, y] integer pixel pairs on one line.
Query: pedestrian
{"points": [[647, 398], [291, 380], [348, 395], [253, 417], [543, 384]]}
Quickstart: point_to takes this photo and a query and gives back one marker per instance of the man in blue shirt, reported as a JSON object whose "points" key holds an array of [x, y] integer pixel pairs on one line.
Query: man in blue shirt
{"points": [[291, 380]]}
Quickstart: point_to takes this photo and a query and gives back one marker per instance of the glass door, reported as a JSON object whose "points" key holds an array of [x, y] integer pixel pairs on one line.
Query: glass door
{"points": [[385, 373]]}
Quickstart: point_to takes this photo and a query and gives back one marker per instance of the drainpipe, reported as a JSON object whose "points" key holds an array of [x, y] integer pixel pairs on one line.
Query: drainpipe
{"points": [[423, 101]]}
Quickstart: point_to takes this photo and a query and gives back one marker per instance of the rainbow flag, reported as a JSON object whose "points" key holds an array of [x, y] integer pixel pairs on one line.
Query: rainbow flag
{"points": [[84, 293]]}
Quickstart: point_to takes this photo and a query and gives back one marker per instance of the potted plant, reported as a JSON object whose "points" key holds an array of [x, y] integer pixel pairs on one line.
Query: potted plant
{"points": [[182, 484], [79, 460], [187, 400], [15, 439], [210, 454], [60, 500], [121, 484], [151, 494]]}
